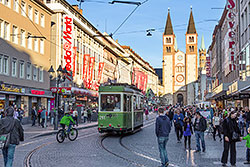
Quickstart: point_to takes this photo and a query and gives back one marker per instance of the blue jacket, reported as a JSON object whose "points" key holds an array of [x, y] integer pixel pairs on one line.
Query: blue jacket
{"points": [[162, 126], [176, 118]]}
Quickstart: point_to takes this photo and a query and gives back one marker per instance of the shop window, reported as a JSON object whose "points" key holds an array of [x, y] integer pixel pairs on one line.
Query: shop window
{"points": [[29, 71], [14, 68]]}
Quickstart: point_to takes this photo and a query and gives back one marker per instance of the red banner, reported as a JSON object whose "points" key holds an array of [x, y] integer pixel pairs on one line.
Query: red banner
{"points": [[91, 68], [100, 71], [74, 62], [140, 79], [85, 66]]}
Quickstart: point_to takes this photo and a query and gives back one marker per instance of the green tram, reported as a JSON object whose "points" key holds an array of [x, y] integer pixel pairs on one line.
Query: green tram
{"points": [[120, 108]]}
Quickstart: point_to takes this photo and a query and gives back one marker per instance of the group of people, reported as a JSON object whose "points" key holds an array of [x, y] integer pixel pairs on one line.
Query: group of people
{"points": [[232, 122]]}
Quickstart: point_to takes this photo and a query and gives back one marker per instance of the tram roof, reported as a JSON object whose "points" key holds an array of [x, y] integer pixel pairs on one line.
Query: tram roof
{"points": [[118, 87]]}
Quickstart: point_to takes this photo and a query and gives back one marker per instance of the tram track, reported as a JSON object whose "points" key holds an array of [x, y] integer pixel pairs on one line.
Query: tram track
{"points": [[27, 159]]}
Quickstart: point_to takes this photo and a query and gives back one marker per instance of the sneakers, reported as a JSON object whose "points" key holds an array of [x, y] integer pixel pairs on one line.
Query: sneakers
{"points": [[224, 164], [204, 150], [197, 151], [166, 164]]}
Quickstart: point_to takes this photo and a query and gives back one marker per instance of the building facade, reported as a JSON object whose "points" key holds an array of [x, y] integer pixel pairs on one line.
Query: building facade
{"points": [[24, 54], [180, 70]]}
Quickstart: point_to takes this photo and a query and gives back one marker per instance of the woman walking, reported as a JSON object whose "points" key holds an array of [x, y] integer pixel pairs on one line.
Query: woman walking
{"points": [[188, 131], [231, 131], [216, 125], [12, 126]]}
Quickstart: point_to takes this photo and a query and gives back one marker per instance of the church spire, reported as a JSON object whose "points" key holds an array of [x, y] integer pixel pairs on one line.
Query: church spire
{"points": [[191, 26], [202, 43], [168, 27]]}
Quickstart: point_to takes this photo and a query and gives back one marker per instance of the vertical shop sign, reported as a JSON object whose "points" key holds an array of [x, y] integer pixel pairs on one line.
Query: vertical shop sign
{"points": [[91, 68], [74, 61], [67, 41], [231, 6], [85, 66], [100, 71]]}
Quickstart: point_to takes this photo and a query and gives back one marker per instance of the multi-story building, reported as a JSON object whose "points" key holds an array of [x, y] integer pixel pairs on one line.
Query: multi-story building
{"points": [[25, 41]]}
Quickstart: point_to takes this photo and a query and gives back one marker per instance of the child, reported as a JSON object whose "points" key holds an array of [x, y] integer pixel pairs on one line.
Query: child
{"points": [[188, 131], [247, 138]]}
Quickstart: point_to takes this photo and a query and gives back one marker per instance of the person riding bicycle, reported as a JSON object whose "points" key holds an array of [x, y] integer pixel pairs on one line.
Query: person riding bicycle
{"points": [[67, 120]]}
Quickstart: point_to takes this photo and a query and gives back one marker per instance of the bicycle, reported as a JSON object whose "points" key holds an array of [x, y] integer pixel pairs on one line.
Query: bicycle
{"points": [[62, 134]]}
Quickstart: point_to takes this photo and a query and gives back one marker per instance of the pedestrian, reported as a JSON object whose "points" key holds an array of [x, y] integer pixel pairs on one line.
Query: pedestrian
{"points": [[43, 115], [33, 115], [247, 116], [11, 125], [75, 116], [39, 116], [85, 115], [15, 112], [230, 130], [200, 125], [241, 122], [247, 138], [216, 125], [162, 130], [146, 113], [188, 131], [52, 116], [89, 112], [178, 123], [20, 114]]}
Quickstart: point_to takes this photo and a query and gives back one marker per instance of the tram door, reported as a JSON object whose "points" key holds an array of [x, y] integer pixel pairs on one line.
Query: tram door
{"points": [[132, 111]]}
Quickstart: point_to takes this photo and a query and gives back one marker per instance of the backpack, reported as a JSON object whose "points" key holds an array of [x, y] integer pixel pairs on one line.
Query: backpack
{"points": [[5, 138]]}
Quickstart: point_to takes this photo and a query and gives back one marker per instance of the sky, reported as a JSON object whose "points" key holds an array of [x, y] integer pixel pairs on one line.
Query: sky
{"points": [[152, 15]]}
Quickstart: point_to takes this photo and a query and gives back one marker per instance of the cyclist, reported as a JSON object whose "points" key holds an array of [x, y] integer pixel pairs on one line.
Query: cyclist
{"points": [[67, 120]]}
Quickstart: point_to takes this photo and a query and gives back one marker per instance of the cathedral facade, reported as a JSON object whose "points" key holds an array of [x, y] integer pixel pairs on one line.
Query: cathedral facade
{"points": [[180, 69]]}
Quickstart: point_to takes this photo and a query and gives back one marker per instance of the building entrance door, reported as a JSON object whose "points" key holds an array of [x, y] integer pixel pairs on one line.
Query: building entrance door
{"points": [[180, 99]]}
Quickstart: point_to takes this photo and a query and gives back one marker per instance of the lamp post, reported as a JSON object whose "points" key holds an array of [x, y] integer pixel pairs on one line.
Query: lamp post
{"points": [[60, 77]]}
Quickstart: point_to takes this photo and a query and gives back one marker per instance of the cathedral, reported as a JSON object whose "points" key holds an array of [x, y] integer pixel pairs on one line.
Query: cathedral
{"points": [[180, 69]]}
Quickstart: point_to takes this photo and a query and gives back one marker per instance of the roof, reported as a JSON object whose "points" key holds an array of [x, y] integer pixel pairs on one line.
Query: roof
{"points": [[191, 26], [202, 43], [168, 27]]}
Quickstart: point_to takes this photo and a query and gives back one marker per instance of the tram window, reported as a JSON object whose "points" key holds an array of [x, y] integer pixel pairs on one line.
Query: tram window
{"points": [[111, 102], [127, 103]]}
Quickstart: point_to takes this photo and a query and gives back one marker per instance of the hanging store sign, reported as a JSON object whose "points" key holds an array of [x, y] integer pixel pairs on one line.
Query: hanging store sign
{"points": [[85, 66], [10, 89], [37, 92], [91, 68], [100, 71], [67, 41], [231, 6], [208, 66], [140, 79]]}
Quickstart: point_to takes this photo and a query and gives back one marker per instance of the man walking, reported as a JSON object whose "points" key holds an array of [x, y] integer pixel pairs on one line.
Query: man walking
{"points": [[162, 130], [200, 125], [33, 116]]}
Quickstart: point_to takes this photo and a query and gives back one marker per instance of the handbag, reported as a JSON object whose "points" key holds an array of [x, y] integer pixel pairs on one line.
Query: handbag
{"points": [[235, 137], [5, 138]]}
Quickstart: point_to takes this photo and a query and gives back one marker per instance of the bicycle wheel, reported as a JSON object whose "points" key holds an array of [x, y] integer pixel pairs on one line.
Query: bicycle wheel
{"points": [[73, 134], [60, 136]]}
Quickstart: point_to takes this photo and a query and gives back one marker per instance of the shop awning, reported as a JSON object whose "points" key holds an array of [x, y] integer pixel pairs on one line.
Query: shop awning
{"points": [[238, 87]]}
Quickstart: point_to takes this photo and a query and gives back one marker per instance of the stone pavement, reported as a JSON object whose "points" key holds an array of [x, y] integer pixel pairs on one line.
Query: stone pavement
{"points": [[38, 131]]}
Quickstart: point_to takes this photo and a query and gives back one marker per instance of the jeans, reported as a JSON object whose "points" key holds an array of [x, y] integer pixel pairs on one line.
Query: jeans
{"points": [[162, 141], [200, 136], [232, 147], [248, 154], [241, 126], [247, 125], [34, 121], [8, 155], [52, 120]]}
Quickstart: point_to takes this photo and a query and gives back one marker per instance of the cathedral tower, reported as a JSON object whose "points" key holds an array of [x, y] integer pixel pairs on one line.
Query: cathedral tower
{"points": [[202, 55], [191, 51], [168, 56]]}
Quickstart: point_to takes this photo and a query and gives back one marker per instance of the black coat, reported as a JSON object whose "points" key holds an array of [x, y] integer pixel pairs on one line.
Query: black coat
{"points": [[6, 125], [202, 126], [229, 126]]}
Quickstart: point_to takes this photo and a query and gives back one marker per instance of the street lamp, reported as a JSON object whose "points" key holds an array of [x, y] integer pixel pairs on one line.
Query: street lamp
{"points": [[59, 79]]}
